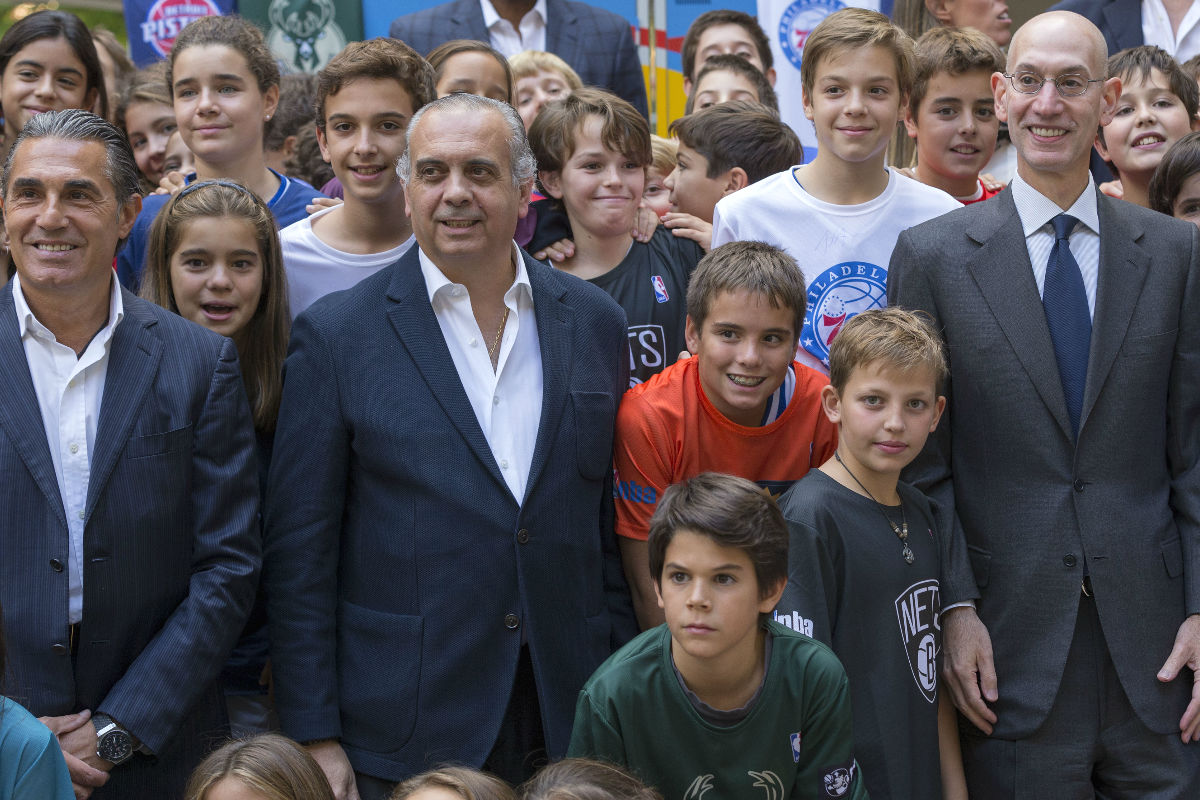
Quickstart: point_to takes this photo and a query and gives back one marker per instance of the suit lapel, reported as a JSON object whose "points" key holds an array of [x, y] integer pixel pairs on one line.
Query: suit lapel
{"points": [[562, 32], [1125, 21], [132, 364], [20, 414], [555, 342], [467, 18], [1001, 270], [1123, 265], [413, 318]]}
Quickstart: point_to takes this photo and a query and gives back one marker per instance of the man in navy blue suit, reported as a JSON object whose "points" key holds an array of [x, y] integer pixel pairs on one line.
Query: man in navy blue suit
{"points": [[597, 43], [441, 572], [129, 544]]}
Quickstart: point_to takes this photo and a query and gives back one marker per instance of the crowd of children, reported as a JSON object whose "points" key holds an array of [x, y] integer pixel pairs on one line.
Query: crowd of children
{"points": [[786, 580]]}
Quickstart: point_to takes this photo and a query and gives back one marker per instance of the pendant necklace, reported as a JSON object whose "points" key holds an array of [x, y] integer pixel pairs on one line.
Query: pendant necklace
{"points": [[901, 530], [494, 350]]}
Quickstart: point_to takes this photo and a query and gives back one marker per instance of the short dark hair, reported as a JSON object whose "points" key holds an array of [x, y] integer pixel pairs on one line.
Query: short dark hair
{"points": [[738, 66], [1178, 164], [733, 512], [742, 134], [376, 58], [754, 266], [724, 16], [894, 337], [623, 129], [55, 25], [438, 56], [294, 111], [1140, 61], [955, 51], [75, 124], [1192, 67]]}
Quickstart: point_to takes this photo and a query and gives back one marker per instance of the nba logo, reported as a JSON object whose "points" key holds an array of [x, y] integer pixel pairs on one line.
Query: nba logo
{"points": [[660, 288], [795, 737]]}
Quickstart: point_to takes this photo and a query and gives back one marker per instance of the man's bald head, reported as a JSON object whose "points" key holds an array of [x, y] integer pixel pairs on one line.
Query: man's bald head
{"points": [[1062, 26]]}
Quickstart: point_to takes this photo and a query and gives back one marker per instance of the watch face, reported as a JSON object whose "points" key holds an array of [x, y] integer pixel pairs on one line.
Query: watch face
{"points": [[115, 746]]}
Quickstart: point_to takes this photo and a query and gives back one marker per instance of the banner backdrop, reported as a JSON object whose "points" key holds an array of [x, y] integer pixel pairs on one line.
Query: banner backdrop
{"points": [[152, 25], [787, 24], [305, 34]]}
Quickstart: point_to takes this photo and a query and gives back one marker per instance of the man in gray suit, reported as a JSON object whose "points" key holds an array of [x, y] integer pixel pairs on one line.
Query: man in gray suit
{"points": [[1069, 468], [129, 545], [597, 43]]}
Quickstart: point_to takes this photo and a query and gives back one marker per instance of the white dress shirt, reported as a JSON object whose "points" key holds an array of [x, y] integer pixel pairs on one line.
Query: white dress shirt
{"points": [[69, 390], [1036, 210], [1156, 30], [507, 401], [530, 35]]}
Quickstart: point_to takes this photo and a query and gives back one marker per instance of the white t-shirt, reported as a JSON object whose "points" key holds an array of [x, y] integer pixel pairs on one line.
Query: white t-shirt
{"points": [[314, 269], [843, 250]]}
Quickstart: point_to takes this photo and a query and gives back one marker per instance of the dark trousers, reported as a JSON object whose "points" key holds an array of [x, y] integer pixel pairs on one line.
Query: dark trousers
{"points": [[1092, 745], [520, 748]]}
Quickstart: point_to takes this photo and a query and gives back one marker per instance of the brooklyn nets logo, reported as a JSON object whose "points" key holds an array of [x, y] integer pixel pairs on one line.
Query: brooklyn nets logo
{"points": [[919, 615]]}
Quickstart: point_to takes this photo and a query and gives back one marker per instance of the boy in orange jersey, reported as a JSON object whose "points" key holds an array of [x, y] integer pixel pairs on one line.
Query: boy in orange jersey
{"points": [[740, 405]]}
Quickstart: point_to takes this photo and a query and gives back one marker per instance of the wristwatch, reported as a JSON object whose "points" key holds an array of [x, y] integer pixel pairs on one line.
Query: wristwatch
{"points": [[113, 743]]}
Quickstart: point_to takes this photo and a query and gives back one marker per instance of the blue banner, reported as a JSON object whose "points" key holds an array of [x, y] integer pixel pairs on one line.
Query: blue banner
{"points": [[152, 25]]}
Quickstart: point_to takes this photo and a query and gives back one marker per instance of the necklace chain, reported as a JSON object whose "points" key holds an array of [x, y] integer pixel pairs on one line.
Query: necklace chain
{"points": [[901, 530], [493, 351]]}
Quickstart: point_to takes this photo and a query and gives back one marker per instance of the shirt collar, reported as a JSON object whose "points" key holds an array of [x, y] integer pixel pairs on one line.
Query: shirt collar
{"points": [[28, 323], [490, 17], [1036, 210], [436, 281]]}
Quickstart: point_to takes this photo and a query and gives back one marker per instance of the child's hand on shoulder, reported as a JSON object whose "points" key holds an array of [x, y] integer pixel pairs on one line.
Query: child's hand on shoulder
{"points": [[644, 224], [322, 203], [1113, 189], [171, 183], [558, 252], [687, 226], [991, 182]]}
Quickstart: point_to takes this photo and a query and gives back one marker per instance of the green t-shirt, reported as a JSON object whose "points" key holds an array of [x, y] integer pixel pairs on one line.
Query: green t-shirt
{"points": [[795, 743]]}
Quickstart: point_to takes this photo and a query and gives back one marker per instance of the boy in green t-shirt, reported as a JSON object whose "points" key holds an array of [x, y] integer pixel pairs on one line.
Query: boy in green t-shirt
{"points": [[719, 698]]}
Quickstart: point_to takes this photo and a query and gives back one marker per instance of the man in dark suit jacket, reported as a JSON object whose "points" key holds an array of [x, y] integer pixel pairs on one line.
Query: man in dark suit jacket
{"points": [[1120, 21], [1071, 462], [441, 570], [129, 547], [596, 43]]}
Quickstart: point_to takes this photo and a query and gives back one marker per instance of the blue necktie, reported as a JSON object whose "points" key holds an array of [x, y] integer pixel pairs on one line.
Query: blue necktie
{"points": [[1066, 305]]}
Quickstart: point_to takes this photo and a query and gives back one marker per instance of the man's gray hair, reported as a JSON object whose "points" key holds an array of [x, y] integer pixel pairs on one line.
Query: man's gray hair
{"points": [[82, 126], [523, 164]]}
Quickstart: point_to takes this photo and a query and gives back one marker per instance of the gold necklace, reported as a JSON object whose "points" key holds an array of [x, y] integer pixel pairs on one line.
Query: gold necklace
{"points": [[901, 531], [494, 349]]}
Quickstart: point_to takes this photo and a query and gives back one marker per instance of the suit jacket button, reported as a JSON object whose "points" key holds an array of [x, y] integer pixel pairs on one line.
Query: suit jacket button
{"points": [[1069, 560], [56, 565], [511, 622], [523, 536], [60, 649], [1079, 486]]}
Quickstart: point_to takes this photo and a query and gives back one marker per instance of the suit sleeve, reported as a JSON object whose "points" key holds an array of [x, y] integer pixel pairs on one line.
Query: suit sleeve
{"points": [[305, 500], [827, 742], [1183, 429], [910, 287], [616, 587], [186, 655]]}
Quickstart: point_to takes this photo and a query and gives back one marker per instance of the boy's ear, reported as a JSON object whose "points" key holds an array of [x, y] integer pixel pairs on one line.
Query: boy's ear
{"points": [[910, 123], [831, 404], [807, 101], [691, 334], [551, 182], [1196, 122], [939, 10], [1101, 147], [658, 591], [767, 603], [323, 143], [938, 408], [770, 76], [735, 179]]}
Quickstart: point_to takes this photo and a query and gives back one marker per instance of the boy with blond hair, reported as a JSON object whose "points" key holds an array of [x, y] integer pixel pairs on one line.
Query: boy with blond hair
{"points": [[864, 558], [951, 113], [721, 698], [840, 215]]}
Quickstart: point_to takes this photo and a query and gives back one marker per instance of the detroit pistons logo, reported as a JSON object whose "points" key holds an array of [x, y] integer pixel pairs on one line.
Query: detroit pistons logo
{"points": [[167, 18], [834, 296], [797, 23]]}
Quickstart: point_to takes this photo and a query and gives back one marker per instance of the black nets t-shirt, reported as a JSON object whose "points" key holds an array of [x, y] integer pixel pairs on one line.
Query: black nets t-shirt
{"points": [[650, 283]]}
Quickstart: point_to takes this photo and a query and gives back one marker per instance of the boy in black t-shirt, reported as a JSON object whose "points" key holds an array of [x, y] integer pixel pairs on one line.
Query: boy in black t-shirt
{"points": [[864, 560], [592, 151]]}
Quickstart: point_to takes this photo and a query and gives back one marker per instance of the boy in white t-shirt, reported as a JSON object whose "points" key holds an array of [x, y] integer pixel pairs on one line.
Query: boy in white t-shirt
{"points": [[840, 215], [365, 97]]}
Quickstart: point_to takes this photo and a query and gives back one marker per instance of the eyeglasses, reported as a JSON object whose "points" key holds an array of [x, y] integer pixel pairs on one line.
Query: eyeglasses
{"points": [[1067, 85]]}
